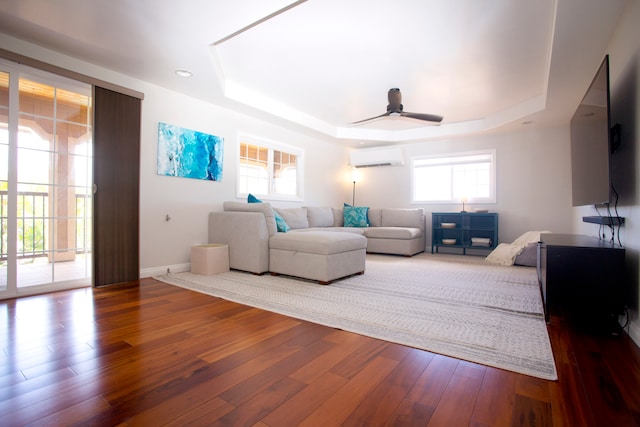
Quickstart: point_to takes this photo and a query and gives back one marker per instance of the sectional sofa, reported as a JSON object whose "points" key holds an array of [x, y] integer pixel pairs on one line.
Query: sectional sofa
{"points": [[317, 245]]}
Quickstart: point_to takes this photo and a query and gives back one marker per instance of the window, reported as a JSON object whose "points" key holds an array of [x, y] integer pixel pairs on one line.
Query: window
{"points": [[268, 170], [454, 177]]}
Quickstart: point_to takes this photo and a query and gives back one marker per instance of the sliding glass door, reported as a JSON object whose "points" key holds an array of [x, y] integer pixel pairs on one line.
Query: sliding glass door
{"points": [[4, 179], [45, 182]]}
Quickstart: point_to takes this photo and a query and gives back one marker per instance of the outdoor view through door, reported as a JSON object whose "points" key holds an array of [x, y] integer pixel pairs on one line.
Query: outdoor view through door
{"points": [[45, 182]]}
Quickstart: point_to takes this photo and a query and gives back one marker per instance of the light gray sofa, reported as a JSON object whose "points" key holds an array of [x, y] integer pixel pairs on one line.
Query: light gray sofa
{"points": [[248, 227]]}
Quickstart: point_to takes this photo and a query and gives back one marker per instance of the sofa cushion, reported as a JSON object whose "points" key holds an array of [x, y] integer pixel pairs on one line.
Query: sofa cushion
{"points": [[295, 217], [356, 216], [355, 230], [528, 256], [403, 218], [403, 233], [318, 242], [375, 217], [338, 217], [281, 224], [319, 216], [265, 208]]}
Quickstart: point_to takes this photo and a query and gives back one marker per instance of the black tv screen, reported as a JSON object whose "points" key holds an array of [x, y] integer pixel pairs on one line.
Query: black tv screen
{"points": [[590, 144]]}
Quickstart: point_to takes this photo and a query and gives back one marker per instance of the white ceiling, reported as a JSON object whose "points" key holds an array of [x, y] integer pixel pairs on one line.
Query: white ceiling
{"points": [[318, 65]]}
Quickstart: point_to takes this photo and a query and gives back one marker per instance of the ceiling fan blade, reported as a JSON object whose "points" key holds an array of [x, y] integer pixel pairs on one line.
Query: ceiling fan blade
{"points": [[395, 109], [371, 118], [425, 117]]}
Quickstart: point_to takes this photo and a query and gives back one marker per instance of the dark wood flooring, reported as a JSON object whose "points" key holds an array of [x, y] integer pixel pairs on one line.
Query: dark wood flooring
{"points": [[152, 354]]}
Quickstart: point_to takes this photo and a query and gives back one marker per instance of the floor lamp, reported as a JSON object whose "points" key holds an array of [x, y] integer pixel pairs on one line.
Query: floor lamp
{"points": [[355, 176]]}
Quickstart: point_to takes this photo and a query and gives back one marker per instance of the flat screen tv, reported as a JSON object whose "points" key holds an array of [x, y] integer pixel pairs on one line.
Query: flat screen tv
{"points": [[591, 144]]}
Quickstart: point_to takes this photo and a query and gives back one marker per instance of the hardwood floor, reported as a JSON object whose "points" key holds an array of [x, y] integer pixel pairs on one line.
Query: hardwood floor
{"points": [[154, 354]]}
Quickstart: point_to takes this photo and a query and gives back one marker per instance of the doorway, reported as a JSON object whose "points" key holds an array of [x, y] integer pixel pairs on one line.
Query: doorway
{"points": [[46, 160]]}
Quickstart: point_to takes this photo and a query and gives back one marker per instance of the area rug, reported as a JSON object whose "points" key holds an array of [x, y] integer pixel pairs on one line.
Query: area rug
{"points": [[453, 305]]}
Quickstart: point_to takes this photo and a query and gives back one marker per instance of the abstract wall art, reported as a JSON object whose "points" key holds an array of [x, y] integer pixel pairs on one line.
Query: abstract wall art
{"points": [[189, 154]]}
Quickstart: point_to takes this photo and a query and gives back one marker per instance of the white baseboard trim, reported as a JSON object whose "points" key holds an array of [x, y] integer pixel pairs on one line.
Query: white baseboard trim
{"points": [[159, 271]]}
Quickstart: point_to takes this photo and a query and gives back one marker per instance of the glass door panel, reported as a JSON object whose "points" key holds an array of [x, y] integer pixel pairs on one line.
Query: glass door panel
{"points": [[53, 185], [45, 181], [4, 177]]}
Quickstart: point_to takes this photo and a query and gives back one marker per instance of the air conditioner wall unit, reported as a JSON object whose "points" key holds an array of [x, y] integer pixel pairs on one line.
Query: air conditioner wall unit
{"points": [[387, 156]]}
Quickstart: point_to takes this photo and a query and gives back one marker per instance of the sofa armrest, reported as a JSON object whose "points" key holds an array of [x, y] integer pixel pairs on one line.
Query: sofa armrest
{"points": [[247, 236], [264, 207]]}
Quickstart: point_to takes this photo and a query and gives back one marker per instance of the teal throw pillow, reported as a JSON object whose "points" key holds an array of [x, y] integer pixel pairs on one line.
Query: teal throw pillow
{"points": [[281, 224], [356, 216], [253, 199]]}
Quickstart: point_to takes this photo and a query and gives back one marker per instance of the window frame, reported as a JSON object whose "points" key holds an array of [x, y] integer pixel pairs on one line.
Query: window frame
{"points": [[458, 155], [271, 146]]}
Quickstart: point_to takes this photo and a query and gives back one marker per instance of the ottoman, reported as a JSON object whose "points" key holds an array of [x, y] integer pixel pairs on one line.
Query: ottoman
{"points": [[210, 259], [323, 256]]}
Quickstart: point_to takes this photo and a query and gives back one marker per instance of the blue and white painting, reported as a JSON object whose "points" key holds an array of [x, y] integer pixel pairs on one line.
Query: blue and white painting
{"points": [[189, 154]]}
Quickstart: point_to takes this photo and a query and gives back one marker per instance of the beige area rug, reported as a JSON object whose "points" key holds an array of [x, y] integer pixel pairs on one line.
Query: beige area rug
{"points": [[453, 305]]}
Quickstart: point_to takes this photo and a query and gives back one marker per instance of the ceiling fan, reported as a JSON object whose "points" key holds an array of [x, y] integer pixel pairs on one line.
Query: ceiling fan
{"points": [[395, 109]]}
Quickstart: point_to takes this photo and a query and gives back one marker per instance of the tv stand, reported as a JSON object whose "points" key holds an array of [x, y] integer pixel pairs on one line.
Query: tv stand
{"points": [[581, 273]]}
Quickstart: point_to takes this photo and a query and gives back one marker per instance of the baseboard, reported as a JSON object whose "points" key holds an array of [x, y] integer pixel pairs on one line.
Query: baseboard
{"points": [[159, 271]]}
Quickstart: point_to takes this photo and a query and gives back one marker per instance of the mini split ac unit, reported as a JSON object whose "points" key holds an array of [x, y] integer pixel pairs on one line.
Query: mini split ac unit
{"points": [[387, 156]]}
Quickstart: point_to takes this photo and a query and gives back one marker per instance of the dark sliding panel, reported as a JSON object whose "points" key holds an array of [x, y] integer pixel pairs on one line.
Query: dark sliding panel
{"points": [[116, 174]]}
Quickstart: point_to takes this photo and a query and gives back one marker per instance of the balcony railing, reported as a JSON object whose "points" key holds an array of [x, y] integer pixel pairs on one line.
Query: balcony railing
{"points": [[32, 224]]}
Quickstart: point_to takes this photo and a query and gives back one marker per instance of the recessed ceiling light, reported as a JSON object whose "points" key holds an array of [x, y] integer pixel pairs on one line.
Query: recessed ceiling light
{"points": [[184, 73]]}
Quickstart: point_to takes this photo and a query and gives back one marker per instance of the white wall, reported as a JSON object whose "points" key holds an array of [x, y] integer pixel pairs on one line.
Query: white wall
{"points": [[188, 201], [624, 56], [533, 180]]}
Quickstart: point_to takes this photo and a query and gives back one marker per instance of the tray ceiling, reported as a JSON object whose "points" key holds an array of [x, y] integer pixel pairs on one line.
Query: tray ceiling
{"points": [[318, 65]]}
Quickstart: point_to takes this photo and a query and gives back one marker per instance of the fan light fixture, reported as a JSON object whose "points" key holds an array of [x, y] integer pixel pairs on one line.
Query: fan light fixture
{"points": [[395, 108]]}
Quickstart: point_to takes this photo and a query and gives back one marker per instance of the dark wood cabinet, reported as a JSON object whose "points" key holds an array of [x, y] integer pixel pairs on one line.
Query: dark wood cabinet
{"points": [[581, 273]]}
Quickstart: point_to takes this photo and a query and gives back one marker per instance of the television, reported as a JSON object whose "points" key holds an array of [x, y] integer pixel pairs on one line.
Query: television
{"points": [[591, 143]]}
